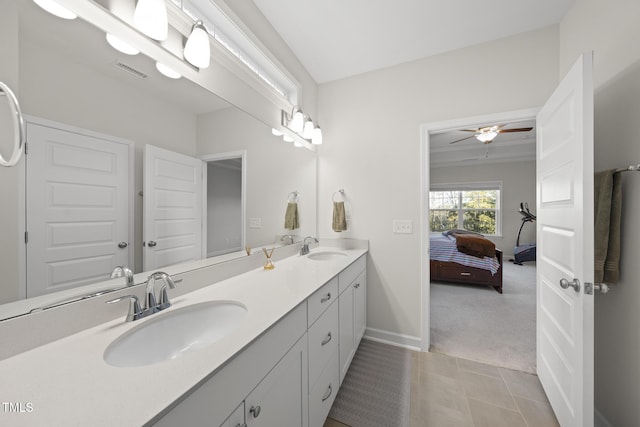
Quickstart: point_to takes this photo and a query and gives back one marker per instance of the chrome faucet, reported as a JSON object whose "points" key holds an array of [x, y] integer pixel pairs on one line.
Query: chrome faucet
{"points": [[304, 250], [120, 271], [150, 306]]}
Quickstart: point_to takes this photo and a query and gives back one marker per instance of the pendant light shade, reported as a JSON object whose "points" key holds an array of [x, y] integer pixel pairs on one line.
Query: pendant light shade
{"points": [[287, 138], [276, 132], [167, 71], [307, 132], [197, 50], [121, 46], [297, 122], [150, 17], [54, 8], [317, 136]]}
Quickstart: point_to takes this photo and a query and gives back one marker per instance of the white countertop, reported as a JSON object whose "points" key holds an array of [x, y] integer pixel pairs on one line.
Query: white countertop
{"points": [[68, 383]]}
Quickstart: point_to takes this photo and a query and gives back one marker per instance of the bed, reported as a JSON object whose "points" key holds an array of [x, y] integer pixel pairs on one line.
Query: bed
{"points": [[448, 264]]}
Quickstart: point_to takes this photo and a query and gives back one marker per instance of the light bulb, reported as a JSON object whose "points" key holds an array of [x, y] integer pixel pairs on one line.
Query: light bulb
{"points": [[197, 50], [317, 136], [54, 8], [150, 17], [307, 133], [121, 46], [167, 71]]}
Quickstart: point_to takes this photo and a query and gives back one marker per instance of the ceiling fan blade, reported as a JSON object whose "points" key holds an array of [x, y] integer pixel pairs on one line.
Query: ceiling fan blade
{"points": [[453, 142], [515, 130], [468, 130]]}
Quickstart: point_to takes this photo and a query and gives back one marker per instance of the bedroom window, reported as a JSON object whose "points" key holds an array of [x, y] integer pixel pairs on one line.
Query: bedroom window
{"points": [[473, 207]]}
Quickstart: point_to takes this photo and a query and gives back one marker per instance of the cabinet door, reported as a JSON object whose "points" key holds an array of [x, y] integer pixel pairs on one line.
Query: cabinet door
{"points": [[236, 419], [360, 308], [281, 398], [346, 326]]}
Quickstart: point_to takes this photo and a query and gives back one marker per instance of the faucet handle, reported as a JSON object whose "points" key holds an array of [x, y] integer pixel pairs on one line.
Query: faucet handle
{"points": [[135, 311], [164, 302]]}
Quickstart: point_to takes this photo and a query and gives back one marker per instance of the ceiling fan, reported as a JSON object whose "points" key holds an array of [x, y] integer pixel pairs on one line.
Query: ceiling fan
{"points": [[488, 133]]}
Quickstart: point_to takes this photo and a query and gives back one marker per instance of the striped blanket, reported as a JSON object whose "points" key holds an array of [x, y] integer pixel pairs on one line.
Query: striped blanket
{"points": [[443, 248]]}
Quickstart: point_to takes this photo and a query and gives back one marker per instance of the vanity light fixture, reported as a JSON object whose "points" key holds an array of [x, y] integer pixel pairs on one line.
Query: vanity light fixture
{"points": [[150, 17], [167, 71], [307, 132], [296, 122], [196, 49], [121, 46], [276, 132], [287, 138], [54, 8]]}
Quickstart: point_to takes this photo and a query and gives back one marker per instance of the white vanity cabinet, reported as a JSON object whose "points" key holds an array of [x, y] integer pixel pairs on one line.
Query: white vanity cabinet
{"points": [[353, 311]]}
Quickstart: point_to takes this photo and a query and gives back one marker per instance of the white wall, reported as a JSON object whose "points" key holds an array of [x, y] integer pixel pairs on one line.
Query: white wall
{"points": [[224, 204], [274, 169], [611, 30], [372, 149], [518, 185]]}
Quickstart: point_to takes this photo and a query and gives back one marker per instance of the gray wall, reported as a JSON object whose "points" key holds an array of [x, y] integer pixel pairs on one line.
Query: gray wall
{"points": [[518, 185], [224, 204]]}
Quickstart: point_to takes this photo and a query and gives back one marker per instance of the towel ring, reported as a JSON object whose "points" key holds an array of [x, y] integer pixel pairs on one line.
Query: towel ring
{"points": [[293, 196], [18, 127], [341, 192]]}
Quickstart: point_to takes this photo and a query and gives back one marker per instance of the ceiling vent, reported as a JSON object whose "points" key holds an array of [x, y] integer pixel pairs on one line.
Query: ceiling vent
{"points": [[129, 69]]}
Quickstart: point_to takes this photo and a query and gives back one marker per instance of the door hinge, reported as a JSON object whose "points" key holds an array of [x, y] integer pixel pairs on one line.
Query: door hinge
{"points": [[26, 237]]}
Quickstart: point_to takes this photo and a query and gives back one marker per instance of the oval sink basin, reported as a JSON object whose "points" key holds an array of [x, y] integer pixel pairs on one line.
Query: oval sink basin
{"points": [[174, 333], [326, 255]]}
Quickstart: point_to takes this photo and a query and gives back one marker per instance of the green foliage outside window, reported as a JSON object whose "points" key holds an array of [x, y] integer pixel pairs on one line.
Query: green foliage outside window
{"points": [[471, 210]]}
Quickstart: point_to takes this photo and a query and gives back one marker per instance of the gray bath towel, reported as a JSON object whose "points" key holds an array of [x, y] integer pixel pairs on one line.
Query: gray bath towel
{"points": [[607, 219], [291, 216], [339, 217]]}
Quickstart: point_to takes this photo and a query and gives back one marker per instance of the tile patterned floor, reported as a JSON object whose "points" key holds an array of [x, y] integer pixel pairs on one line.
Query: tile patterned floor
{"points": [[447, 391]]}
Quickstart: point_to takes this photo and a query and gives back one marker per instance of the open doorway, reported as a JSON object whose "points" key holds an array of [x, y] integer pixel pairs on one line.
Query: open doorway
{"points": [[477, 186], [224, 207]]}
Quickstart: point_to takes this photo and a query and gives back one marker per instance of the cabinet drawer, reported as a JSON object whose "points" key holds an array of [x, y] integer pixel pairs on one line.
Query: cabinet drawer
{"points": [[323, 342], [321, 300], [350, 273], [323, 394]]}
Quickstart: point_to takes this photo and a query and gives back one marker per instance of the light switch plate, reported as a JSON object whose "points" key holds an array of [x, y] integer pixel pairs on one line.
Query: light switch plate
{"points": [[402, 226], [255, 222]]}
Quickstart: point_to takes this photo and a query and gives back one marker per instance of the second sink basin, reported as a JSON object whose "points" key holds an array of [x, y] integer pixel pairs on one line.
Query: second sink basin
{"points": [[326, 255], [175, 332]]}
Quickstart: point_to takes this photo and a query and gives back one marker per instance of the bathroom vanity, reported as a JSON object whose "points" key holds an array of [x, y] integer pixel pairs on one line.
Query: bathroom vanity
{"points": [[280, 363]]}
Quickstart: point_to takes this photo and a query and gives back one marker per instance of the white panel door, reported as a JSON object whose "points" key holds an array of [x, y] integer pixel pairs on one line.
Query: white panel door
{"points": [[172, 208], [77, 196], [565, 246]]}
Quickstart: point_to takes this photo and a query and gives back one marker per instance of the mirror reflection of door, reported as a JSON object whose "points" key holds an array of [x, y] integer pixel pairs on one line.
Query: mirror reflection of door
{"points": [[78, 198], [224, 206]]}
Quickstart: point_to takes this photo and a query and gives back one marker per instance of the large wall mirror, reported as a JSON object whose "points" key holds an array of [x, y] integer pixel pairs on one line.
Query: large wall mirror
{"points": [[66, 74]]}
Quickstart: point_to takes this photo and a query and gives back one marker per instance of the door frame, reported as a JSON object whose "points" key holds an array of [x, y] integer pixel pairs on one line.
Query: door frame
{"points": [[22, 192], [426, 130], [206, 158]]}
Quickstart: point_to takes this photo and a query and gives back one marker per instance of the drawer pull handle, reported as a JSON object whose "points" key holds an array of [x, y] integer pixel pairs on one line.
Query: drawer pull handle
{"points": [[255, 411], [465, 274], [327, 339], [327, 393], [326, 298]]}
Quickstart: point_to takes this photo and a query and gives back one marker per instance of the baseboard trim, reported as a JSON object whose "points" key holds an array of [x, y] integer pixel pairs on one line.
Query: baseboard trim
{"points": [[392, 338], [600, 420]]}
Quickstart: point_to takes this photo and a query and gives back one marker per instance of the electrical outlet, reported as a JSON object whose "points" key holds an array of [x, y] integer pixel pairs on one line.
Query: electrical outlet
{"points": [[402, 226], [255, 222]]}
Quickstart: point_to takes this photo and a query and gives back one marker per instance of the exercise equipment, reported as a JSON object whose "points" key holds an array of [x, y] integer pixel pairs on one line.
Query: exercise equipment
{"points": [[526, 251]]}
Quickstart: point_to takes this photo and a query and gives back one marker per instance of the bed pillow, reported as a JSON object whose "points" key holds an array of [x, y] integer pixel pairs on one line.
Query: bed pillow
{"points": [[474, 245]]}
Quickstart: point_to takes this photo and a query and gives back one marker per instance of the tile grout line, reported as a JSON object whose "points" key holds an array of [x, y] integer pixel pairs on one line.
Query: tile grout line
{"points": [[506, 382], [466, 398]]}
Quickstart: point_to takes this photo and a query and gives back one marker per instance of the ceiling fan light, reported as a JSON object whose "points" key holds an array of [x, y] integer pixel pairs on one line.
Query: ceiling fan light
{"points": [[486, 136], [121, 46], [150, 17], [54, 8], [196, 49], [167, 71]]}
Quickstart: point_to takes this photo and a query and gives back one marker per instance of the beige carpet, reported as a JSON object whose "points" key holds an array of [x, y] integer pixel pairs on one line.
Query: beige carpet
{"points": [[478, 323], [376, 390]]}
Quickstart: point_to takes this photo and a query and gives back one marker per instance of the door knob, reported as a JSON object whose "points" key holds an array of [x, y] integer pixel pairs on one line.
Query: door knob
{"points": [[575, 284], [255, 411], [151, 243], [122, 245]]}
